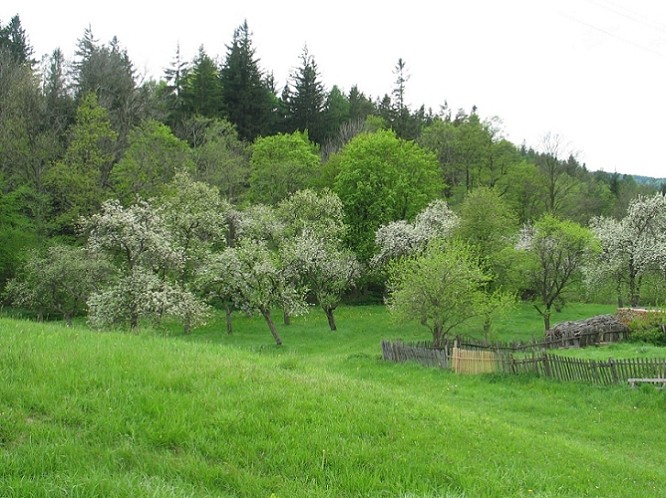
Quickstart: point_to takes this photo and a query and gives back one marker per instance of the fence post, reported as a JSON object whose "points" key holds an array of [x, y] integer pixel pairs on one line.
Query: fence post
{"points": [[613, 369], [546, 365]]}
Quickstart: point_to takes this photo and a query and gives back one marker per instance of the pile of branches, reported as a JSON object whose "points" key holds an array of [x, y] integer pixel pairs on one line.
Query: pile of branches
{"points": [[581, 333]]}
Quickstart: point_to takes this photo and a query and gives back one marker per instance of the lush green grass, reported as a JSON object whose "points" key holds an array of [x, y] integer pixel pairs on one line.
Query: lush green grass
{"points": [[616, 351], [110, 414]]}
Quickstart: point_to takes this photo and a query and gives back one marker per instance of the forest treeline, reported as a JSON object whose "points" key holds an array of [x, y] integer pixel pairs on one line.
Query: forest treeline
{"points": [[76, 133]]}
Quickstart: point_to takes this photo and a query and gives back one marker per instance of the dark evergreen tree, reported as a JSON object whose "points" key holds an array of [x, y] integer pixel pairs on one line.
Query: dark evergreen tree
{"points": [[172, 92], [336, 112], [202, 90], [305, 98], [404, 123], [278, 108], [360, 106], [245, 97], [60, 107], [107, 71], [14, 40]]}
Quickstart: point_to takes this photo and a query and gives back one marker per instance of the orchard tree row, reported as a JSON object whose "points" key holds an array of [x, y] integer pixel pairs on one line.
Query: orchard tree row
{"points": [[188, 250], [85, 142]]}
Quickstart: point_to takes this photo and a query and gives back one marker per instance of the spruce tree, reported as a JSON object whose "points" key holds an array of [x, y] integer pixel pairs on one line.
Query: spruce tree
{"points": [[173, 90], [305, 99], [245, 96], [14, 40], [202, 91]]}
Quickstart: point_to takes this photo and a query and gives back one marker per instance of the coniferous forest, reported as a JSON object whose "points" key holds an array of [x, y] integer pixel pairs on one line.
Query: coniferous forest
{"points": [[129, 186]]}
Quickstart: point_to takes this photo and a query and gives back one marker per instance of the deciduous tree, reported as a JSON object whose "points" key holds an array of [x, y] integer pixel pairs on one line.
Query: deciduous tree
{"points": [[282, 164], [77, 183], [147, 256], [260, 284], [59, 282], [382, 179], [312, 250], [631, 247], [559, 250], [222, 160], [152, 159], [440, 288]]}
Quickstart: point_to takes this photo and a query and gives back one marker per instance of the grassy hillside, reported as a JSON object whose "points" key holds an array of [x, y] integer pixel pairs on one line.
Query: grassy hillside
{"points": [[110, 414]]}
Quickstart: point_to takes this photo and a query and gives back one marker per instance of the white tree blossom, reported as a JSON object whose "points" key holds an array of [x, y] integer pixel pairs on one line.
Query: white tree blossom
{"points": [[525, 237], [320, 213], [148, 259], [258, 283], [134, 236], [197, 218], [140, 293], [312, 250], [401, 238], [260, 222], [631, 247], [59, 281], [325, 268], [218, 279]]}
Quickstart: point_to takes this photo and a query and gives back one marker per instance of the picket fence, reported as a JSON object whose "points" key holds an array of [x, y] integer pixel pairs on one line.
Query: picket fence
{"points": [[552, 366], [601, 372], [420, 352]]}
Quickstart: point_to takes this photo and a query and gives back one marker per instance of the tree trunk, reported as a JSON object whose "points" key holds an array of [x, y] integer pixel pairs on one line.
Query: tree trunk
{"points": [[228, 310], [68, 319], [187, 325], [437, 336], [331, 318], [287, 318], [546, 318], [486, 328], [271, 326], [634, 286]]}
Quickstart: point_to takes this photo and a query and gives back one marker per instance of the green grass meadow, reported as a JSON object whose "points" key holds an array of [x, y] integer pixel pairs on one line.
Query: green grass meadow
{"points": [[160, 414]]}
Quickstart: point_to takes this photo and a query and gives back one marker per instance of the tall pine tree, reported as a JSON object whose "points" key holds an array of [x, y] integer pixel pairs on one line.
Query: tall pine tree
{"points": [[305, 98], [14, 40], [202, 91], [245, 96], [172, 92], [107, 71]]}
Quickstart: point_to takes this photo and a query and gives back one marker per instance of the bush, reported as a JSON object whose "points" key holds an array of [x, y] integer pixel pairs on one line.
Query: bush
{"points": [[649, 328]]}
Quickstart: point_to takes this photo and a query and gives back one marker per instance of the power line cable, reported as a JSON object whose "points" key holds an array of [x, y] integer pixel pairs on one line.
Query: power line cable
{"points": [[615, 35], [634, 16]]}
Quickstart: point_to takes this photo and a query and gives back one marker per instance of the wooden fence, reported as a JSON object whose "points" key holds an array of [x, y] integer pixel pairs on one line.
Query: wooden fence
{"points": [[582, 340], [420, 352], [563, 368], [467, 361], [600, 372]]}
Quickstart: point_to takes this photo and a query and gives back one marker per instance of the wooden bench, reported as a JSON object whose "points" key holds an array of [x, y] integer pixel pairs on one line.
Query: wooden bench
{"points": [[659, 383]]}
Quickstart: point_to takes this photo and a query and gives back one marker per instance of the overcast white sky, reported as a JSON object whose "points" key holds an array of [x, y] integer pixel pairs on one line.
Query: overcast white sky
{"points": [[591, 71]]}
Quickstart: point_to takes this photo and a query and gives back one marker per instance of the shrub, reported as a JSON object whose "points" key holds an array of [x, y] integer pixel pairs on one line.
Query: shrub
{"points": [[649, 328]]}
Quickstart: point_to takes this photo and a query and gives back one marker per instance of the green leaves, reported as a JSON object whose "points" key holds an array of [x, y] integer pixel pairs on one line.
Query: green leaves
{"points": [[383, 179], [559, 250], [441, 288], [281, 165], [151, 161], [77, 182]]}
